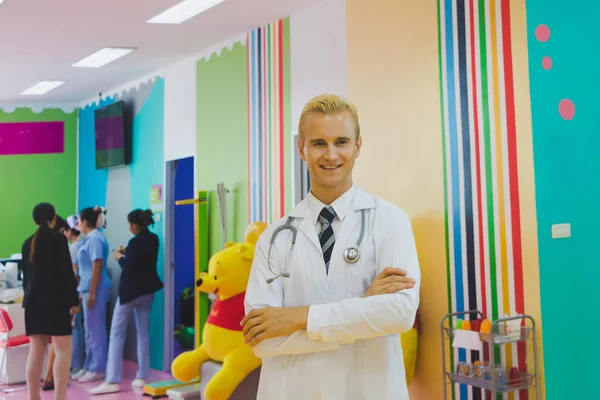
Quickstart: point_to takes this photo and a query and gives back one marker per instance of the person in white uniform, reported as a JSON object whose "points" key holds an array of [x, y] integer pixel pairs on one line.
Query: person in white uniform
{"points": [[326, 313]]}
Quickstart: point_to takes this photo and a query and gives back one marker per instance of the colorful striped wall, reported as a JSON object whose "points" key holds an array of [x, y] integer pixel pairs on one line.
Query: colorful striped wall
{"points": [[483, 222], [269, 127]]}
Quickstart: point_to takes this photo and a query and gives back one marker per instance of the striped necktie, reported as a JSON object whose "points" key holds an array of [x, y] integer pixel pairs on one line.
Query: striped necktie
{"points": [[326, 237]]}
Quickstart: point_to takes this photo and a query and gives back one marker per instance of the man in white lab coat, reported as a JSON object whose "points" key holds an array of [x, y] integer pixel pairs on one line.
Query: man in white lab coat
{"points": [[327, 328]]}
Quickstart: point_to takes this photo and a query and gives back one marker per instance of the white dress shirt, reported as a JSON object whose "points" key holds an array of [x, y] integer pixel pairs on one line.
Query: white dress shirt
{"points": [[340, 206]]}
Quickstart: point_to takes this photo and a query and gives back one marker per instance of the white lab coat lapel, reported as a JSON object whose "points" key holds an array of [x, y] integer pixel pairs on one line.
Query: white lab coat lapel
{"points": [[351, 224], [305, 225], [311, 248]]}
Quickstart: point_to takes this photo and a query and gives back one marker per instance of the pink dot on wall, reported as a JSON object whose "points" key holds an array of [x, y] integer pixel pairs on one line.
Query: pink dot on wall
{"points": [[542, 33], [546, 63], [566, 108]]}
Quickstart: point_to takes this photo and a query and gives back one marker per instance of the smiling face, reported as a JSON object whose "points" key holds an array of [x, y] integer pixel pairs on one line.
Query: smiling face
{"points": [[329, 147]]}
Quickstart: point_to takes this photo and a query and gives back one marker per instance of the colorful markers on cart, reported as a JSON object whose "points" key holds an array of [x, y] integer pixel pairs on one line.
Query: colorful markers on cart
{"points": [[479, 325]]}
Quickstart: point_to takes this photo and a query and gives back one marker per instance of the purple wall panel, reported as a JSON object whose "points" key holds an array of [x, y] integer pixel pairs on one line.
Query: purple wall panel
{"points": [[19, 138]]}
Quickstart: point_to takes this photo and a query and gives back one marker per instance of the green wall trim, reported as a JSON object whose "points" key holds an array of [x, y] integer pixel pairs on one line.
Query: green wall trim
{"points": [[222, 139]]}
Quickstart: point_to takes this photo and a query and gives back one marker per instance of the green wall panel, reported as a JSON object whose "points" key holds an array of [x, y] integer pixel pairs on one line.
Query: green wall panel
{"points": [[29, 179]]}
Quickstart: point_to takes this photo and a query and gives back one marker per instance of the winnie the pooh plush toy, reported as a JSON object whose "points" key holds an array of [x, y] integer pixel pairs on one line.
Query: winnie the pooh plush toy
{"points": [[222, 337]]}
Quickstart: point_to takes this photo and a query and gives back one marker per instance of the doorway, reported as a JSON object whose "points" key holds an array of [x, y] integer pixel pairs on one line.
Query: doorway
{"points": [[180, 260]]}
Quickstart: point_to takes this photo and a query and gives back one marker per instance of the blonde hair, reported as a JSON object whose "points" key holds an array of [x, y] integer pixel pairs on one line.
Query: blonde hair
{"points": [[327, 104]]}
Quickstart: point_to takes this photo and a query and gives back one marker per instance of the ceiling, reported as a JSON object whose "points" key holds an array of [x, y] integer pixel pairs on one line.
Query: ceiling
{"points": [[43, 38]]}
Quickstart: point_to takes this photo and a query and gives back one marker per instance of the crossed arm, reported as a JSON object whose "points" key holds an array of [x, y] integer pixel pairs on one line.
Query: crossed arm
{"points": [[389, 306]]}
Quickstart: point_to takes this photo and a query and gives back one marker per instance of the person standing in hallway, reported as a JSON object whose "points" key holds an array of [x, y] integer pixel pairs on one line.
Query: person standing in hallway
{"points": [[75, 239], [50, 294], [95, 287], [139, 282], [326, 314], [48, 383]]}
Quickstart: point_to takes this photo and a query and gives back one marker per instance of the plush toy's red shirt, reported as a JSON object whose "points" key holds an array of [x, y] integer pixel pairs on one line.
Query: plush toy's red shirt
{"points": [[228, 313]]}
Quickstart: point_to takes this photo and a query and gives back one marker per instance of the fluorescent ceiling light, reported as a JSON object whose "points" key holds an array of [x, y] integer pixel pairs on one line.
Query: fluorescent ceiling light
{"points": [[183, 11], [102, 57], [42, 87], [1, 1]]}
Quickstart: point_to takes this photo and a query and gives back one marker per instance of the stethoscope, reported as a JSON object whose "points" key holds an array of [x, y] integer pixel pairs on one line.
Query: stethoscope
{"points": [[351, 254]]}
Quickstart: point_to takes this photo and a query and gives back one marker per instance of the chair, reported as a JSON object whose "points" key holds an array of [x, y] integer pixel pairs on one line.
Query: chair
{"points": [[9, 343]]}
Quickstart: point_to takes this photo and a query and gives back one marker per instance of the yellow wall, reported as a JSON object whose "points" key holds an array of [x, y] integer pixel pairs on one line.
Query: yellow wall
{"points": [[393, 79]]}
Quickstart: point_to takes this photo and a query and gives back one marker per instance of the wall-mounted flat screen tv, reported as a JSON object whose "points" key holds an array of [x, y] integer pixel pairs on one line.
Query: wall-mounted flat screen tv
{"points": [[113, 147]]}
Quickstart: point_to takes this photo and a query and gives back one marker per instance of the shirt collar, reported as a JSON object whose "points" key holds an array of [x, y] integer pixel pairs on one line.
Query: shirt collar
{"points": [[93, 233], [341, 205]]}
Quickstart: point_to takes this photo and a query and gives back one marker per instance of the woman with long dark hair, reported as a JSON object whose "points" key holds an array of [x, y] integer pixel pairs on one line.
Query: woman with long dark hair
{"points": [[139, 282], [50, 294], [48, 383], [95, 287]]}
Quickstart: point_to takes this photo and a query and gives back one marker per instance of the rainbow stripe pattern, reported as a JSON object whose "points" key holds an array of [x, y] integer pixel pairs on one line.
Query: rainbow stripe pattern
{"points": [[266, 122], [483, 233]]}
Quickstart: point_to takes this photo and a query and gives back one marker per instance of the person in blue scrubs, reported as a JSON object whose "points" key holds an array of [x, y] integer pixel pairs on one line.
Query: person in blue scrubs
{"points": [[75, 239], [95, 287]]}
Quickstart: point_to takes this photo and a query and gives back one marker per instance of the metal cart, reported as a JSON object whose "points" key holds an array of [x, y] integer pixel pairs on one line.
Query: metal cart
{"points": [[488, 375]]}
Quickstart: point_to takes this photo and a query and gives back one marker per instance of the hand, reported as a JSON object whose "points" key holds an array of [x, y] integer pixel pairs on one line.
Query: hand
{"points": [[91, 301], [271, 322], [75, 310], [391, 280], [117, 256], [122, 250]]}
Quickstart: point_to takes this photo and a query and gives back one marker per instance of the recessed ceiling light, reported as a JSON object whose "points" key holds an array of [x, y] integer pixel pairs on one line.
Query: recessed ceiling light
{"points": [[183, 11], [1, 1], [103, 57], [42, 87]]}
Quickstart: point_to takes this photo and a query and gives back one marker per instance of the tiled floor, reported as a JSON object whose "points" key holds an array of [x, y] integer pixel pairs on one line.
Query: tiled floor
{"points": [[78, 391]]}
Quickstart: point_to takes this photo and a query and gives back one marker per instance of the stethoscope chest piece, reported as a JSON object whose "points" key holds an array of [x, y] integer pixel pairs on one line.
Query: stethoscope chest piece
{"points": [[351, 254]]}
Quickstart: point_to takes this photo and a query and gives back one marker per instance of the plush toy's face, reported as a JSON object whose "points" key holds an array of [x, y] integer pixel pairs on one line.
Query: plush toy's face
{"points": [[228, 270]]}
